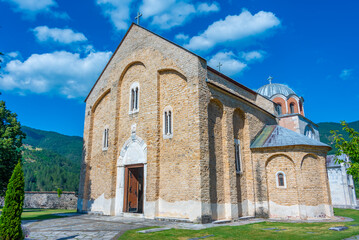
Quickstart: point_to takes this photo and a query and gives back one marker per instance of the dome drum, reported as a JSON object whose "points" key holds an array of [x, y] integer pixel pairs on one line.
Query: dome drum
{"points": [[288, 102]]}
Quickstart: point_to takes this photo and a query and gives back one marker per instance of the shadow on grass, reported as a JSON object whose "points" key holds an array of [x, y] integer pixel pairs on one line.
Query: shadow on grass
{"points": [[44, 217], [43, 214], [33, 210], [264, 230], [69, 237]]}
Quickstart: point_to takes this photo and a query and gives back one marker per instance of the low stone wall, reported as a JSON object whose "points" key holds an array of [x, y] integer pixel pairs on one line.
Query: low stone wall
{"points": [[68, 200]]}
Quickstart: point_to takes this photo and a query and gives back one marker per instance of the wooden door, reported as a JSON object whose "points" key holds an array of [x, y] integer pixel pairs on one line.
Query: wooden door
{"points": [[133, 199], [132, 191]]}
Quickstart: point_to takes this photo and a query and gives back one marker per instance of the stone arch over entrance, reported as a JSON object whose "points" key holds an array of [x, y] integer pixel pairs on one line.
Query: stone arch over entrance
{"points": [[133, 152]]}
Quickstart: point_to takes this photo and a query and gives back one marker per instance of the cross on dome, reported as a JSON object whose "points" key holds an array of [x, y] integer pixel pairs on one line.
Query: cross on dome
{"points": [[270, 78]]}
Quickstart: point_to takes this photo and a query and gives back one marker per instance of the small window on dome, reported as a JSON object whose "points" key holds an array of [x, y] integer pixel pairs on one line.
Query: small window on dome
{"points": [[292, 108], [309, 132], [279, 109]]}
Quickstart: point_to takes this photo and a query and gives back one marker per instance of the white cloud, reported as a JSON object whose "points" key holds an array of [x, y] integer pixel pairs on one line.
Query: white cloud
{"points": [[253, 56], [150, 8], [9, 56], [234, 28], [118, 12], [176, 16], [181, 37], [63, 73], [346, 74], [231, 64], [205, 8], [64, 36], [166, 14], [33, 7], [13, 54]]}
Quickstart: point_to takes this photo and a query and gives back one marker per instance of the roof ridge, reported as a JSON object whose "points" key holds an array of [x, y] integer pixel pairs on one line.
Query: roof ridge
{"points": [[185, 49], [281, 136]]}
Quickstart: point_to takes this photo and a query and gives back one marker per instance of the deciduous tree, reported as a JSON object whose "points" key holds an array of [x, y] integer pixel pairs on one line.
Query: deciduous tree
{"points": [[350, 147], [10, 143]]}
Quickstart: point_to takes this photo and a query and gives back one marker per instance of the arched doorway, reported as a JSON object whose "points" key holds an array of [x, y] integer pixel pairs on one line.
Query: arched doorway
{"points": [[131, 177]]}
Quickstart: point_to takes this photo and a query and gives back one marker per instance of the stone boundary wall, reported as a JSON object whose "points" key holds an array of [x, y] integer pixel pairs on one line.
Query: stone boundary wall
{"points": [[68, 200]]}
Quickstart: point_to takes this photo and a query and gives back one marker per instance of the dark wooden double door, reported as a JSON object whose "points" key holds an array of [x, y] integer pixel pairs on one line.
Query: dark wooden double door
{"points": [[134, 189]]}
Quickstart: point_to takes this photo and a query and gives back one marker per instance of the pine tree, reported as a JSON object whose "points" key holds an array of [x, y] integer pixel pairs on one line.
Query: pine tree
{"points": [[10, 221]]}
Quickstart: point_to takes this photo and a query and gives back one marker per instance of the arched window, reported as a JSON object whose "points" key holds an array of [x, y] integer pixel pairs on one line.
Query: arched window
{"points": [[168, 122], [309, 132], [105, 139], [280, 180], [279, 109], [291, 108], [238, 157], [134, 97]]}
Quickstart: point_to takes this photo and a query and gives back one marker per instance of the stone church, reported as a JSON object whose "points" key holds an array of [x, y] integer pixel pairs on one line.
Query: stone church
{"points": [[168, 137]]}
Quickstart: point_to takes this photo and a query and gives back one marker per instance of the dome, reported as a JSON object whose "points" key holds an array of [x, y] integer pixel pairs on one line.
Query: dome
{"points": [[272, 89]]}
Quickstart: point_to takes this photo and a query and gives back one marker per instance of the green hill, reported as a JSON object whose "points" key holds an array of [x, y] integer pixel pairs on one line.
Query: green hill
{"points": [[67, 146], [51, 160], [326, 127]]}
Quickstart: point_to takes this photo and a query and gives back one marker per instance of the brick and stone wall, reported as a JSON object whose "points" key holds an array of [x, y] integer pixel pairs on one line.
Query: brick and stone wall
{"points": [[191, 175], [68, 200], [166, 77], [306, 194]]}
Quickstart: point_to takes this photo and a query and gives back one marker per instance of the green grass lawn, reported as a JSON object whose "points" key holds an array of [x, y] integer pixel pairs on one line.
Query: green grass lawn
{"points": [[41, 214], [254, 231]]}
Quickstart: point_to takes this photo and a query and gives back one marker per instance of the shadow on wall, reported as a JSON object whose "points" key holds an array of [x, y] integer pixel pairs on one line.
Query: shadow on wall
{"points": [[215, 113], [84, 201], [261, 196], [238, 125]]}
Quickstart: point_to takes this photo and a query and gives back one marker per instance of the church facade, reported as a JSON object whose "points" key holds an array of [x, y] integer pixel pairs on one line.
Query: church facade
{"points": [[167, 137]]}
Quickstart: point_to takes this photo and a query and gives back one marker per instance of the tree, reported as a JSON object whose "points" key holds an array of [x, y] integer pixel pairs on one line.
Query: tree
{"points": [[11, 138], [349, 147], [59, 192], [10, 221]]}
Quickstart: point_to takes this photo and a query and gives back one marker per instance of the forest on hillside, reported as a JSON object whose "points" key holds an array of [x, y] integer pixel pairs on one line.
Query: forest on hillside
{"points": [[51, 160], [326, 136]]}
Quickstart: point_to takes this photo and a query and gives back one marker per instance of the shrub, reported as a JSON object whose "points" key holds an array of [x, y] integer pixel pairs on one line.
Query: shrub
{"points": [[10, 221], [59, 192]]}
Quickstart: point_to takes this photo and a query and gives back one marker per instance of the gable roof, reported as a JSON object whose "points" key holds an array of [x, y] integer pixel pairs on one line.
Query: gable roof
{"points": [[231, 80], [277, 136], [134, 24], [208, 68]]}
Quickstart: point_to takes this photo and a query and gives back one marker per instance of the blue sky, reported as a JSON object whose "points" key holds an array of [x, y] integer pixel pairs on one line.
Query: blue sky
{"points": [[55, 50]]}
